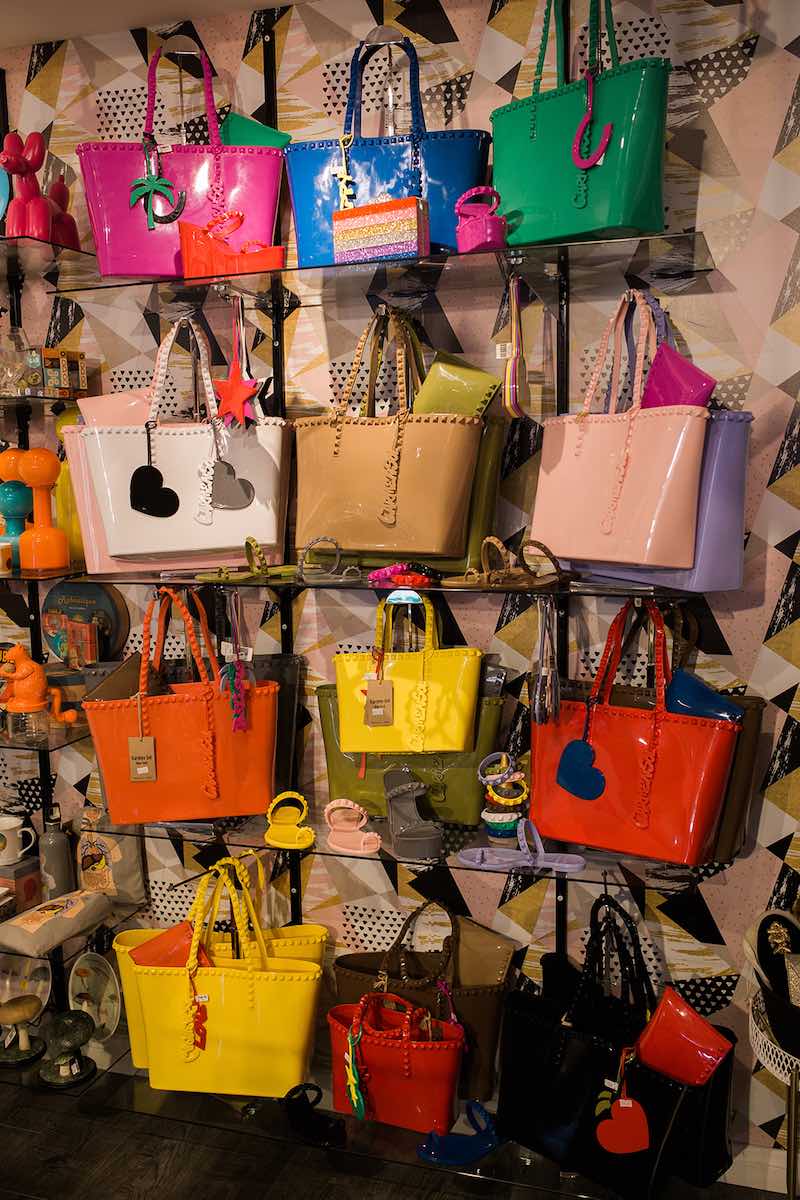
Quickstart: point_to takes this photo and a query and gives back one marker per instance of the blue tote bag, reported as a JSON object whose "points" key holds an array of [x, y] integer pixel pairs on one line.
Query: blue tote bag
{"points": [[439, 167]]}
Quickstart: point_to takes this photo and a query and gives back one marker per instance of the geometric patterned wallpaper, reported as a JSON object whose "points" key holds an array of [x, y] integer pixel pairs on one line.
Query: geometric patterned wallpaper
{"points": [[732, 172]]}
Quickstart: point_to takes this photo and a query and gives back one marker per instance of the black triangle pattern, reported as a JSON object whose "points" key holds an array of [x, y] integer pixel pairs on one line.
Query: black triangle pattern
{"points": [[708, 995], [428, 19], [787, 610], [786, 892], [689, 910], [718, 73], [785, 756], [41, 54], [788, 456], [437, 883], [789, 545], [781, 848], [785, 700]]}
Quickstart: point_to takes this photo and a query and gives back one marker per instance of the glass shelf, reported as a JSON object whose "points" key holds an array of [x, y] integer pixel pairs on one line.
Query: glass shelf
{"points": [[601, 867], [58, 737], [378, 1152], [33, 401], [661, 259], [30, 256], [580, 587]]}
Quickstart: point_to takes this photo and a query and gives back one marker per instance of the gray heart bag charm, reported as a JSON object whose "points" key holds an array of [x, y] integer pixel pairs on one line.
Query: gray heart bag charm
{"points": [[228, 491]]}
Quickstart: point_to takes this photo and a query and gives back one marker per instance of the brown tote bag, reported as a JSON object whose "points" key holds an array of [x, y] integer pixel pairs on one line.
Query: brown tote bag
{"points": [[472, 969], [400, 483]]}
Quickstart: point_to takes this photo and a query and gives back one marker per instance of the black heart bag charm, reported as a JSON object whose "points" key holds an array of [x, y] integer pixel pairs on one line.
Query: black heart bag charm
{"points": [[147, 491]]}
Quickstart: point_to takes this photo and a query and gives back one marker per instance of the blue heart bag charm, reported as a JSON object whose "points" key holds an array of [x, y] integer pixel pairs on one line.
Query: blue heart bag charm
{"points": [[576, 772]]}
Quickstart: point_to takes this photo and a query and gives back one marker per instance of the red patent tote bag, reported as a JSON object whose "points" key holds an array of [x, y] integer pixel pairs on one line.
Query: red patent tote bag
{"points": [[663, 775], [407, 1063]]}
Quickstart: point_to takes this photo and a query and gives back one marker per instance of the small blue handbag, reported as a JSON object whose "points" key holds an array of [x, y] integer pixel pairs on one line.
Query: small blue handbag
{"points": [[439, 167]]}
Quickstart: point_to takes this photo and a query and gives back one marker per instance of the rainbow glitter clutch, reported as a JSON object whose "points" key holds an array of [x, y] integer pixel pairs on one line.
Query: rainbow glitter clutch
{"points": [[386, 229]]}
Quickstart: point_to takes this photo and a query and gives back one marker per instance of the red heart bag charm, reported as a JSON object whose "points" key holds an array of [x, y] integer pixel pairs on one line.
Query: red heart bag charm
{"points": [[626, 1130]]}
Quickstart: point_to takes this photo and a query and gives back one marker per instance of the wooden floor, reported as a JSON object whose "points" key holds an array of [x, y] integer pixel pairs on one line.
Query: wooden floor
{"points": [[56, 1147]]}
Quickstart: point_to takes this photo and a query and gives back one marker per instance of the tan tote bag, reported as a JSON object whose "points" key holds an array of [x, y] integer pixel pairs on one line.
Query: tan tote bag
{"points": [[400, 483]]}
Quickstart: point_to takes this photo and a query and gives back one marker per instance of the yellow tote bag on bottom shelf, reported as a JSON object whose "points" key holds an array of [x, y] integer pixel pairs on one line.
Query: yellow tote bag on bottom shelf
{"points": [[242, 1027], [434, 693], [124, 942], [306, 941]]}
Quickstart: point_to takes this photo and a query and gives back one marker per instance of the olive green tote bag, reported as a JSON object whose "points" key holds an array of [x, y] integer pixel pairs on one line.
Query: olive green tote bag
{"points": [[454, 791], [584, 159]]}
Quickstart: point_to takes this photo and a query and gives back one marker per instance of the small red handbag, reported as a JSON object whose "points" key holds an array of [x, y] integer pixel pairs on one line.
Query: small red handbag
{"points": [[681, 1044], [633, 780], [394, 1063]]}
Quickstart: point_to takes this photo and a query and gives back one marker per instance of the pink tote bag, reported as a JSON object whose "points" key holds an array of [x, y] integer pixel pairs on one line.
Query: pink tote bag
{"points": [[621, 486], [139, 236]]}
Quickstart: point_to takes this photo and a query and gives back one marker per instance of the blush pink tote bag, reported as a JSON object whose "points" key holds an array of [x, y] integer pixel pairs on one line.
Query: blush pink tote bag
{"points": [[135, 191], [621, 486]]}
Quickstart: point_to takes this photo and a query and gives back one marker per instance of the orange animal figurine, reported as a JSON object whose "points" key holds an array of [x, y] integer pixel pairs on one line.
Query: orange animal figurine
{"points": [[42, 548], [26, 689]]}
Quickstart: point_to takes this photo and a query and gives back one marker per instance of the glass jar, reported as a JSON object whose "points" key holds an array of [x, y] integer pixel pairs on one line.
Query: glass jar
{"points": [[29, 727]]}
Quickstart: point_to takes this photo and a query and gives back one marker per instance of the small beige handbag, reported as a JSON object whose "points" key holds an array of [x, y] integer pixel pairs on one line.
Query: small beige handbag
{"points": [[400, 483]]}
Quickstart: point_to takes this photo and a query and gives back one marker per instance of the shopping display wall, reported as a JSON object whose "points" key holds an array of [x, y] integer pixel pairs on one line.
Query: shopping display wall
{"points": [[733, 172]]}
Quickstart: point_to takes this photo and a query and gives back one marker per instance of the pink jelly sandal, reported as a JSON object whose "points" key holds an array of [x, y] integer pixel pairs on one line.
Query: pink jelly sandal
{"points": [[345, 820]]}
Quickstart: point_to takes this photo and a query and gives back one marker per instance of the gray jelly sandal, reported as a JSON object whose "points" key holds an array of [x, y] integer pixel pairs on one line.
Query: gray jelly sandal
{"points": [[408, 835]]}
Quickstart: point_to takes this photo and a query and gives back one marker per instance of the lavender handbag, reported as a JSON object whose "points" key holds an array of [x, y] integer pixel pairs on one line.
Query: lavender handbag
{"points": [[719, 541], [135, 191]]}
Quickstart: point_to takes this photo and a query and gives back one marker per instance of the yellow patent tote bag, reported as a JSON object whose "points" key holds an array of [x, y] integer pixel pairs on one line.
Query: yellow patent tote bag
{"points": [[304, 941], [434, 693], [244, 1026]]}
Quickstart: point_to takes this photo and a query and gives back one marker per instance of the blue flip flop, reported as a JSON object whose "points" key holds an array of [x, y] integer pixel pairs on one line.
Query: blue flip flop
{"points": [[461, 1149]]}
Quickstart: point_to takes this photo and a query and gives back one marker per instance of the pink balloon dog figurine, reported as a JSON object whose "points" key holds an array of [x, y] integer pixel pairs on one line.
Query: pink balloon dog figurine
{"points": [[30, 214]]}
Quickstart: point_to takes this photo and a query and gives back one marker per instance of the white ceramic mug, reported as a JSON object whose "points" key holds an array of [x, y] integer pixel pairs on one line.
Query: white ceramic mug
{"points": [[11, 840]]}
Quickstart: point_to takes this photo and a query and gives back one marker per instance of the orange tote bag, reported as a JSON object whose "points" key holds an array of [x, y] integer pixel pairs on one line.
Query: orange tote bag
{"points": [[202, 768], [664, 774]]}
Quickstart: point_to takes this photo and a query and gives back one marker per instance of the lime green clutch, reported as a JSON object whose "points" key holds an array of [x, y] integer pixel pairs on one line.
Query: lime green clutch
{"points": [[236, 130], [454, 386]]}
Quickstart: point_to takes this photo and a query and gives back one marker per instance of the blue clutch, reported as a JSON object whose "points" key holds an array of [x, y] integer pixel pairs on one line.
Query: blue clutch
{"points": [[438, 167], [688, 696]]}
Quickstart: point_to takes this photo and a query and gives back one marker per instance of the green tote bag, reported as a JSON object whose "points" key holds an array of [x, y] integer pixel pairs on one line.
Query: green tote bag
{"points": [[585, 159], [454, 791]]}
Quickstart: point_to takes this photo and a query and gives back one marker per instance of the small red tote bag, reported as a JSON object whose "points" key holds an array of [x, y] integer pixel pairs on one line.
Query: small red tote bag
{"points": [[406, 1063]]}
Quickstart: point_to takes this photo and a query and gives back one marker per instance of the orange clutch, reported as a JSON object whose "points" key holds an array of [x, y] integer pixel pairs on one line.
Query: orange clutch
{"points": [[206, 251]]}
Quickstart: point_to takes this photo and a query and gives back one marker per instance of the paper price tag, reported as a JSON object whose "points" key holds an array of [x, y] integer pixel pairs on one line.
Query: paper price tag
{"points": [[202, 999], [8, 1039], [229, 654], [74, 1067], [624, 1103], [379, 709], [502, 350], [142, 759]]}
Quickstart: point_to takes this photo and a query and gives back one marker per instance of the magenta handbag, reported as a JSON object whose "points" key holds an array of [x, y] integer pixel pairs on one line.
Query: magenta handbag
{"points": [[135, 191], [673, 379]]}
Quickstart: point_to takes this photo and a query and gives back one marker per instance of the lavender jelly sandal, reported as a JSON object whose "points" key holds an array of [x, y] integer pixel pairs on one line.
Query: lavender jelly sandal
{"points": [[530, 856]]}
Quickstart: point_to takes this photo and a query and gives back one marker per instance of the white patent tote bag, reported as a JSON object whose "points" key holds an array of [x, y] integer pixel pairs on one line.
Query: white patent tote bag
{"points": [[188, 486]]}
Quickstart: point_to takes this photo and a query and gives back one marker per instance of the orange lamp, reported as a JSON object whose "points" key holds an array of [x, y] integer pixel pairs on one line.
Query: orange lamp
{"points": [[43, 547]]}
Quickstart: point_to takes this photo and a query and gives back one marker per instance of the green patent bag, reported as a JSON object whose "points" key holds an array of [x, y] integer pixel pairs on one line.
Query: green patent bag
{"points": [[585, 159], [454, 791]]}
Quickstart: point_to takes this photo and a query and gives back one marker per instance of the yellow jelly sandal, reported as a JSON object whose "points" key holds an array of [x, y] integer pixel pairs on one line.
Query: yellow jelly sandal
{"points": [[285, 830]]}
